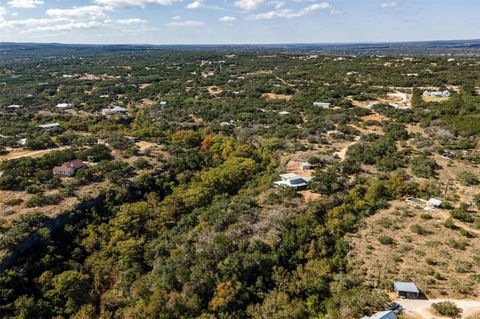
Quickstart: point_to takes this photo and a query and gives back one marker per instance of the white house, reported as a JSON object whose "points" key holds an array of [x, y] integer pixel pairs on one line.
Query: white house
{"points": [[284, 113], [114, 110], [163, 103], [434, 203], [50, 126], [323, 105], [64, 105], [305, 166], [293, 180], [14, 106], [437, 93], [382, 315], [22, 142]]}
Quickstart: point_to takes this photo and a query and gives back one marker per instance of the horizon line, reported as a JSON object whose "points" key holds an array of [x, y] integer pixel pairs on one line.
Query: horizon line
{"points": [[247, 44]]}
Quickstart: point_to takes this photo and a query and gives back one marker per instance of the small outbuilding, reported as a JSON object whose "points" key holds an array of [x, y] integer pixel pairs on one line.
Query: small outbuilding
{"points": [[406, 290], [294, 181], [323, 105], [389, 314], [305, 166], [434, 203]]}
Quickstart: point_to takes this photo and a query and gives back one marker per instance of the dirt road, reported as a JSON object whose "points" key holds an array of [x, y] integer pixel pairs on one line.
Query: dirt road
{"points": [[23, 153], [421, 309]]}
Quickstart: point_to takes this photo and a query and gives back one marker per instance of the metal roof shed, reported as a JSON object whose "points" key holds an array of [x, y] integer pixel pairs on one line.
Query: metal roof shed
{"points": [[406, 289]]}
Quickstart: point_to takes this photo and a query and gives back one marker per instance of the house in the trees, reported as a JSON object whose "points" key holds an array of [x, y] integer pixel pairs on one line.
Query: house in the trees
{"points": [[434, 203], [68, 169], [437, 93], [22, 142], [406, 290], [294, 181], [323, 105], [305, 166], [51, 126], [114, 110], [389, 314], [64, 105], [163, 104]]}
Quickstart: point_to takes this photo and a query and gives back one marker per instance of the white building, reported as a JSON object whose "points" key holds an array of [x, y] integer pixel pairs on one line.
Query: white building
{"points": [[293, 180], [284, 113], [383, 315], [437, 93], [434, 203], [305, 166], [14, 106], [64, 105], [49, 126], [323, 105], [22, 142], [114, 110]]}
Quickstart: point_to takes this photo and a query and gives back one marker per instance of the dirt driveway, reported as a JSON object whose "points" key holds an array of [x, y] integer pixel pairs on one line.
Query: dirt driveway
{"points": [[420, 309]]}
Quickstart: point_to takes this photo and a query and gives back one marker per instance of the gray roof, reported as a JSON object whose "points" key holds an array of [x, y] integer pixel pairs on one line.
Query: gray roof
{"points": [[406, 286], [383, 315]]}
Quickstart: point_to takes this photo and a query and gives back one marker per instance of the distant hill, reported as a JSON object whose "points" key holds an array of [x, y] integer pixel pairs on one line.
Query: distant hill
{"points": [[453, 47]]}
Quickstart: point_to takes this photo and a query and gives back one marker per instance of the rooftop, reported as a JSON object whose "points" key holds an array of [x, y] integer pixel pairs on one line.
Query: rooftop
{"points": [[406, 286]]}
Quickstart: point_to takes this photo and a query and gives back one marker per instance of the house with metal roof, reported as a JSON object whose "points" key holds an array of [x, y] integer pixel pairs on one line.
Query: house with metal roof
{"points": [[382, 315], [49, 126], [323, 105], [406, 290], [293, 180]]}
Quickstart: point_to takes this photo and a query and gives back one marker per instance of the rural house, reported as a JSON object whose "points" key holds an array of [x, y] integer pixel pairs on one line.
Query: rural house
{"points": [[406, 290], [323, 105], [434, 203], [68, 169], [294, 181], [382, 315], [64, 105], [306, 166], [114, 110], [437, 93], [51, 126]]}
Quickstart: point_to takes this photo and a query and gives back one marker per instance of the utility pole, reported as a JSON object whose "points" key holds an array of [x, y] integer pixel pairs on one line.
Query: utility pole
{"points": [[447, 186]]}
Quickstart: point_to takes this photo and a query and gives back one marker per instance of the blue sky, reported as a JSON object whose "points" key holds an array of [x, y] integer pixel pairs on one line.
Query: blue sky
{"points": [[237, 21]]}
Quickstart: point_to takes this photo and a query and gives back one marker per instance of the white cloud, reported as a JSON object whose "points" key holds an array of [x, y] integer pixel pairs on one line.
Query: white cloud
{"points": [[69, 20], [187, 23], [334, 12], [288, 13], [176, 18], [3, 12], [197, 4], [277, 4], [249, 5], [227, 19], [135, 21], [26, 4], [90, 12], [393, 4], [134, 3]]}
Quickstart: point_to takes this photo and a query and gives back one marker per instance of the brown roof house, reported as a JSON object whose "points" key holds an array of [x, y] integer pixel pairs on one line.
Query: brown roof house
{"points": [[68, 169]]}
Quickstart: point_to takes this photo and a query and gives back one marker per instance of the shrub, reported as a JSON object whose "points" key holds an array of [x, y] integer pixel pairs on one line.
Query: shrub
{"points": [[449, 223], [426, 216], [446, 308], [13, 201], [467, 178], [386, 240], [462, 215], [417, 229], [423, 166]]}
